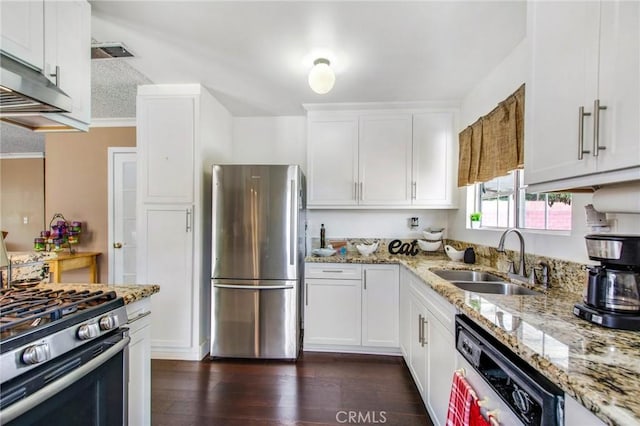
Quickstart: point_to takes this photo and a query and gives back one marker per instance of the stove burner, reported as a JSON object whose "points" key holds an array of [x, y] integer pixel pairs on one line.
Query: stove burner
{"points": [[22, 309]]}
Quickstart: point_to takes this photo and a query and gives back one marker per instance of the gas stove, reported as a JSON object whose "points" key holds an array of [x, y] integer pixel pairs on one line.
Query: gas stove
{"points": [[38, 325]]}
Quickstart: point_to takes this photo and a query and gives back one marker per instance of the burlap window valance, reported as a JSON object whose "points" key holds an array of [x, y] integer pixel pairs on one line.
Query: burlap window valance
{"points": [[494, 144]]}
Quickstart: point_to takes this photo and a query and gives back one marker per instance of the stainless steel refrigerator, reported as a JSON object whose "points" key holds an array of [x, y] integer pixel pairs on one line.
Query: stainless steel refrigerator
{"points": [[258, 217]]}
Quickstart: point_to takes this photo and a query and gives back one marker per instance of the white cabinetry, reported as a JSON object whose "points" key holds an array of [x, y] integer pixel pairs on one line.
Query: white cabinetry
{"points": [[23, 31], [351, 307], [139, 325], [381, 159], [582, 52], [430, 344], [385, 160], [181, 132], [53, 37]]}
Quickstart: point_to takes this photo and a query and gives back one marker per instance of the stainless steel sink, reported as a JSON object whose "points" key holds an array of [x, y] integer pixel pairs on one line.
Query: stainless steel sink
{"points": [[462, 275], [493, 287]]}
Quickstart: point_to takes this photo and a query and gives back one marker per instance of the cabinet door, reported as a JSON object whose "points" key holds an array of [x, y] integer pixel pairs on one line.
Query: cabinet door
{"points": [[619, 85], [139, 362], [165, 257], [67, 53], [332, 312], [440, 367], [23, 31], [418, 351], [405, 319], [166, 136], [332, 161], [563, 38], [385, 160], [380, 305], [432, 159]]}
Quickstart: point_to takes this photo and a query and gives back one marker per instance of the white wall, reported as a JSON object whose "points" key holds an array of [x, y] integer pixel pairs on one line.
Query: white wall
{"points": [[270, 140], [503, 81]]}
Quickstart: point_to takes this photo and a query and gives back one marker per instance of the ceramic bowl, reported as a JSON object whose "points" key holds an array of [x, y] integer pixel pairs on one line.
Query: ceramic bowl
{"points": [[456, 255], [429, 245], [432, 235], [367, 249], [323, 252]]}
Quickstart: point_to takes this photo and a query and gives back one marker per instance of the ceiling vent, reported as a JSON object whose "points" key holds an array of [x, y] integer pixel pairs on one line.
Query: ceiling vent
{"points": [[110, 50]]}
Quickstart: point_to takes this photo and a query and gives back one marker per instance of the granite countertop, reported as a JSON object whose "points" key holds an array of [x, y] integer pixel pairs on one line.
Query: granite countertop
{"points": [[597, 366], [130, 293]]}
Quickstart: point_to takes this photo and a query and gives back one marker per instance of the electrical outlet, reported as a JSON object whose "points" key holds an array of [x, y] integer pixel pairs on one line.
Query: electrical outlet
{"points": [[413, 222], [25, 220]]}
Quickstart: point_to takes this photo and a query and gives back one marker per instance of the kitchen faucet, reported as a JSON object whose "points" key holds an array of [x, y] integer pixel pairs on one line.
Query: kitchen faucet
{"points": [[522, 272]]}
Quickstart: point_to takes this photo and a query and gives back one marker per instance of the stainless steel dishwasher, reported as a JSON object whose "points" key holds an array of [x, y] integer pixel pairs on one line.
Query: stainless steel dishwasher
{"points": [[505, 382]]}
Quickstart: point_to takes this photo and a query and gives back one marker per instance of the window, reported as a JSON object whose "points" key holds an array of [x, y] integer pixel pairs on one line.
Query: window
{"points": [[504, 203]]}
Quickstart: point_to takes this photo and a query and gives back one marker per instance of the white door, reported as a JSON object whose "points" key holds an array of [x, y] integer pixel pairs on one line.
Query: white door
{"points": [[385, 160], [440, 367], [418, 350], [122, 215], [380, 304]]}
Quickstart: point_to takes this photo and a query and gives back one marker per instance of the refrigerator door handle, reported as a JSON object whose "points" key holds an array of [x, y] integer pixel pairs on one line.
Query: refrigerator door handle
{"points": [[292, 226], [253, 287]]}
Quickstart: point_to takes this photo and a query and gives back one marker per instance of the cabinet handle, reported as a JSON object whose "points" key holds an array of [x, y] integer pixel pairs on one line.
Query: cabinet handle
{"points": [[414, 190], [361, 192], [420, 328], [334, 271], [306, 294], [596, 127], [56, 75], [581, 116], [424, 337], [139, 317], [188, 221], [365, 279], [355, 190]]}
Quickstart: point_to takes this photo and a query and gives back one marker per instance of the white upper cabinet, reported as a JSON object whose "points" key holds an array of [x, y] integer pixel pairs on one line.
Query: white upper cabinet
{"points": [[332, 163], [166, 124], [380, 159], [67, 55], [433, 165], [582, 53], [385, 160], [23, 31]]}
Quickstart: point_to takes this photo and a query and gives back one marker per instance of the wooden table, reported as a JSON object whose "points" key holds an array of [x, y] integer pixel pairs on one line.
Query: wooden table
{"points": [[78, 260]]}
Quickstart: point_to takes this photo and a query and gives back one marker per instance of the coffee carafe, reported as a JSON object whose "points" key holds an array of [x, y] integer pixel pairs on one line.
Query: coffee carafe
{"points": [[611, 293]]}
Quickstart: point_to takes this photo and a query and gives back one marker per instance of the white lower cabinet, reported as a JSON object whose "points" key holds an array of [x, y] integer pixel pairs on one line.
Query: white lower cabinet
{"points": [[429, 344], [352, 308], [139, 325]]}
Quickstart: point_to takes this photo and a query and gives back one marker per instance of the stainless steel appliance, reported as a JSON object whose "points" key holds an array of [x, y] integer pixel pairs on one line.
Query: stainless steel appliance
{"points": [[525, 397], [63, 357], [257, 260], [611, 293]]}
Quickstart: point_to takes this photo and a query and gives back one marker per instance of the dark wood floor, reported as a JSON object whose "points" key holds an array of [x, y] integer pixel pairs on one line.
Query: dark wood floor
{"points": [[319, 389]]}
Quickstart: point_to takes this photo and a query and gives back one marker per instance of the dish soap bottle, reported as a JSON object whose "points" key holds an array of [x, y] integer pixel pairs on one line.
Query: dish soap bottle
{"points": [[322, 236]]}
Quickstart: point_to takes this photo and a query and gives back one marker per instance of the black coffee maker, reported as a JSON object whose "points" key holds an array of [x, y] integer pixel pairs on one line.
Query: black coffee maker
{"points": [[612, 290]]}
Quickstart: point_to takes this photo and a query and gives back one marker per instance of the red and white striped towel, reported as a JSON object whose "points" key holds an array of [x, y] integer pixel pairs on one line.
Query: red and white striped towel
{"points": [[460, 399], [476, 418]]}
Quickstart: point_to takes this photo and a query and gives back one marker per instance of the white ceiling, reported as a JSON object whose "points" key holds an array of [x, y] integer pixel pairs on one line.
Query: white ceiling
{"points": [[255, 56]]}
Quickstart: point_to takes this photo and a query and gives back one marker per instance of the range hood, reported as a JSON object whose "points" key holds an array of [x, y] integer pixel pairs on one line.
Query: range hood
{"points": [[24, 91]]}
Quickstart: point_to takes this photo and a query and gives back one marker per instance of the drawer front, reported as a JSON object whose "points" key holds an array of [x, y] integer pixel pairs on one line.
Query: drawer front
{"points": [[337, 271]]}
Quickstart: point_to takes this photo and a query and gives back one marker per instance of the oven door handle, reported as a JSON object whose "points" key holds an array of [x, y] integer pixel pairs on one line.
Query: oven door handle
{"points": [[19, 408]]}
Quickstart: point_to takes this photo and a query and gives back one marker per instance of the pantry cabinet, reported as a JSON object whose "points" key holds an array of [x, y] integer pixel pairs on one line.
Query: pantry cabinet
{"points": [[582, 54], [428, 344], [381, 159], [350, 307], [182, 131]]}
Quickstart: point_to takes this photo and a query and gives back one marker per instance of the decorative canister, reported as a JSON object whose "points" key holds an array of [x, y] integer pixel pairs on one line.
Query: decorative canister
{"points": [[38, 244], [76, 226], [45, 234], [57, 243], [72, 238]]}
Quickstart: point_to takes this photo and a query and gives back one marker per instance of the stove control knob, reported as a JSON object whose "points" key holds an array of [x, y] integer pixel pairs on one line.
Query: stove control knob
{"points": [[88, 331], [108, 322], [36, 354]]}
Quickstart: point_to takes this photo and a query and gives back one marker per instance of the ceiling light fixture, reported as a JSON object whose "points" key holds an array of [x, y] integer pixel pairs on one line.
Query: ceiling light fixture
{"points": [[321, 76]]}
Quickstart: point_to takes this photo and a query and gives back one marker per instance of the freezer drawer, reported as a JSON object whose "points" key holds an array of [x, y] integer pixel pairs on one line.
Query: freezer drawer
{"points": [[255, 322]]}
